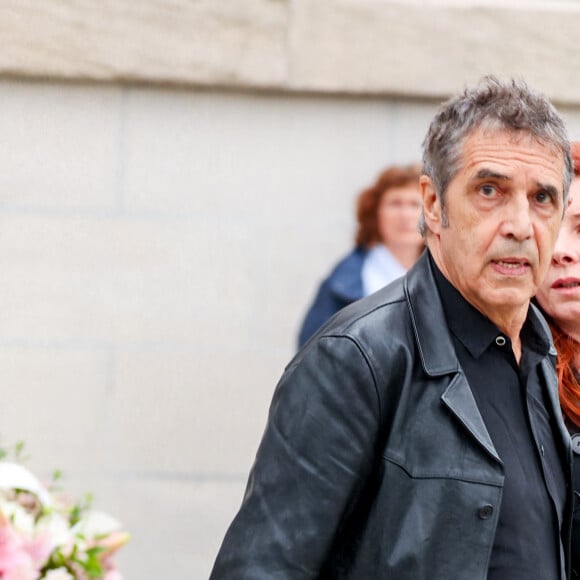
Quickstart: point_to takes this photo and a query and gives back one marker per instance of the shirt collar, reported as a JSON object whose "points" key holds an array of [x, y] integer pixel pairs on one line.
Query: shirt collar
{"points": [[475, 331]]}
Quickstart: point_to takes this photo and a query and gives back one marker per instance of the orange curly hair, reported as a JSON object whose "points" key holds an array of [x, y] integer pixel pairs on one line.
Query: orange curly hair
{"points": [[369, 199]]}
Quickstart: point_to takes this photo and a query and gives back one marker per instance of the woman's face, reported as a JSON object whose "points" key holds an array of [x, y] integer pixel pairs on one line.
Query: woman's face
{"points": [[398, 214], [559, 295]]}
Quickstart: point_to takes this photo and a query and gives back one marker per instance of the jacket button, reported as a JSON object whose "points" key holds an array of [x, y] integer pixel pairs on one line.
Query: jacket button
{"points": [[485, 511], [576, 443]]}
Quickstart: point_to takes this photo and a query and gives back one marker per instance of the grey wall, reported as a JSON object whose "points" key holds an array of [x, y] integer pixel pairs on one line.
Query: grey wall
{"points": [[158, 249]]}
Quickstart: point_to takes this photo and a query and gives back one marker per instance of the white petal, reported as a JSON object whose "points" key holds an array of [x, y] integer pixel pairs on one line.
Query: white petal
{"points": [[96, 523], [15, 476]]}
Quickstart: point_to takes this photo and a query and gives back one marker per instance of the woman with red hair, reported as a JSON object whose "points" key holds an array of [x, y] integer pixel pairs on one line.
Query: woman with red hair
{"points": [[387, 244], [559, 298]]}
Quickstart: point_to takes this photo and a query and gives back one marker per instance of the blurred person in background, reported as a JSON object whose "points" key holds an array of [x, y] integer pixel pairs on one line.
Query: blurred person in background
{"points": [[559, 298], [387, 244]]}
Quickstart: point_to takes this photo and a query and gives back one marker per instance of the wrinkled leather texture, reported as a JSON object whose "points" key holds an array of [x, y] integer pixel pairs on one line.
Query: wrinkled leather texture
{"points": [[375, 462]]}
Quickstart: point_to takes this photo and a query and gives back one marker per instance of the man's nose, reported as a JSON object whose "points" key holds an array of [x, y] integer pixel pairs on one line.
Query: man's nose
{"points": [[517, 222]]}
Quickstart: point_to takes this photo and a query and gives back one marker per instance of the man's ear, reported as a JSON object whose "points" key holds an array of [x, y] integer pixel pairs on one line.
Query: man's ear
{"points": [[431, 204]]}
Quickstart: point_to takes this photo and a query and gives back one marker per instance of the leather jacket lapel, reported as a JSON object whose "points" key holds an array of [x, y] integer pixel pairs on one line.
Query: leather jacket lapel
{"points": [[460, 401], [429, 324], [437, 352]]}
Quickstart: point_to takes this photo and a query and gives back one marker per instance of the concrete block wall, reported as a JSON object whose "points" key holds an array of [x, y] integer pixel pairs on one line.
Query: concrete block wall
{"points": [[158, 249]]}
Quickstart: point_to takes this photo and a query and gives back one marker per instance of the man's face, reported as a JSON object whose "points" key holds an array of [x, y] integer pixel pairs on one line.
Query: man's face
{"points": [[504, 208]]}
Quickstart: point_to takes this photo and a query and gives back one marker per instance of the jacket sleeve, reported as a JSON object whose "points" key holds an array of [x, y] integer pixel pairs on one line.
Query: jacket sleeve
{"points": [[316, 453]]}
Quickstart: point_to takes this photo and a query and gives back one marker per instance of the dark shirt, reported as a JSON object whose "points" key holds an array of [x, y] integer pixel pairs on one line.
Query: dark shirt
{"points": [[513, 402]]}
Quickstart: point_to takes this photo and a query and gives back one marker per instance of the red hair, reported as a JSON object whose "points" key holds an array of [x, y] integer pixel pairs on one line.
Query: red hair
{"points": [[368, 201], [568, 385]]}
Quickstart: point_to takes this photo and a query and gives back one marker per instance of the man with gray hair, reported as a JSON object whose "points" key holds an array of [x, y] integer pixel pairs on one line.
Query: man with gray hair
{"points": [[418, 435]]}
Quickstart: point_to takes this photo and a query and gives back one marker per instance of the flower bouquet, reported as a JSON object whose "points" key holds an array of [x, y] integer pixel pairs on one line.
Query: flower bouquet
{"points": [[46, 536]]}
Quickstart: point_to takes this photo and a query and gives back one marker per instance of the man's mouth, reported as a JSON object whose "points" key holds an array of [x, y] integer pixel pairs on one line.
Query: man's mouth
{"points": [[512, 264]]}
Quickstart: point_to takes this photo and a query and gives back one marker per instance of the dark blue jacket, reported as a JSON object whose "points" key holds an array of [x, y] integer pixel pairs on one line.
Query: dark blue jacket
{"points": [[342, 287]]}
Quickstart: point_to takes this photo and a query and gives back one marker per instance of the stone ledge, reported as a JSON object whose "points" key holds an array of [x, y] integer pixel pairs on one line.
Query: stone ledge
{"points": [[375, 47], [204, 42]]}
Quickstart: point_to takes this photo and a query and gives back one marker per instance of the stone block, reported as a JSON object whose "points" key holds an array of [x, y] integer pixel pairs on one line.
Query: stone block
{"points": [[114, 280], [60, 147], [431, 49], [190, 410], [55, 400], [259, 158], [288, 169], [230, 41]]}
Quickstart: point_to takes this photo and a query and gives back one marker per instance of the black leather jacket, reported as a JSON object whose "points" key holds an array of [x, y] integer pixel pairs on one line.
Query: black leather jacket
{"points": [[375, 463]]}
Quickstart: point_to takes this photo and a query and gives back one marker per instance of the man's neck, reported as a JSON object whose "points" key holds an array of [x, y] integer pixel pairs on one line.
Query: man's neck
{"points": [[509, 319], [517, 349]]}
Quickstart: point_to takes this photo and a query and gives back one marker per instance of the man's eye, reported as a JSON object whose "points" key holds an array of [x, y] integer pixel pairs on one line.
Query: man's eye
{"points": [[543, 197], [487, 190]]}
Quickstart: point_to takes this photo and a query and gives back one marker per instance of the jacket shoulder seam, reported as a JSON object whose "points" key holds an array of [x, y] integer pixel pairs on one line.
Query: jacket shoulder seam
{"points": [[370, 367]]}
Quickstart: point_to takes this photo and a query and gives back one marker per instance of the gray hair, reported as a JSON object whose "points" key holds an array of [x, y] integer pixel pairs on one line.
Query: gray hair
{"points": [[496, 105]]}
